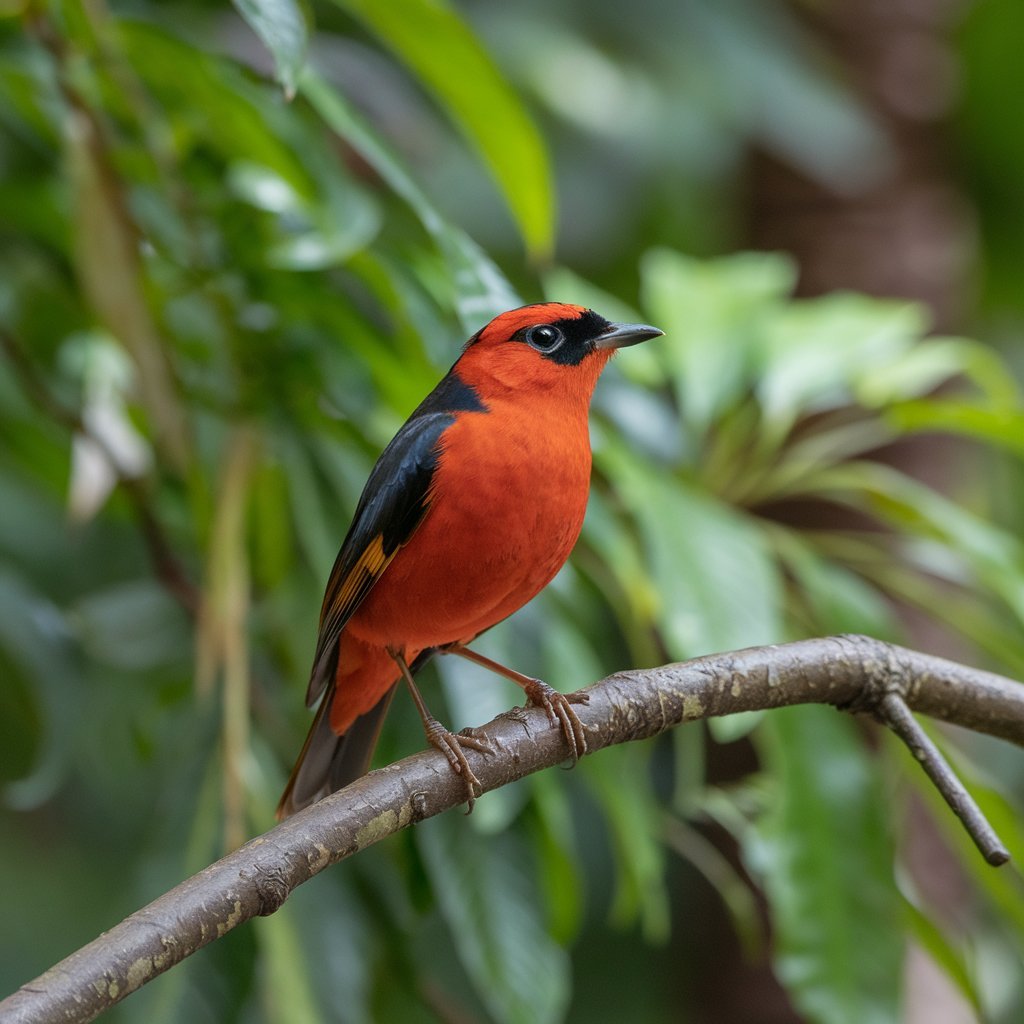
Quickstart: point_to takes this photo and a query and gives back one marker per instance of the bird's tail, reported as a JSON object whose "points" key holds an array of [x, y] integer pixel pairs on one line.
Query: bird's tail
{"points": [[328, 761]]}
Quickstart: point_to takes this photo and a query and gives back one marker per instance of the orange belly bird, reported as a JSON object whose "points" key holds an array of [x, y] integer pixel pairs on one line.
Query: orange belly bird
{"points": [[469, 512]]}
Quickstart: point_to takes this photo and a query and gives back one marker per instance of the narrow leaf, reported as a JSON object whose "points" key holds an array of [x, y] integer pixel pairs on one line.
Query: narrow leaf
{"points": [[449, 60], [481, 291], [282, 28]]}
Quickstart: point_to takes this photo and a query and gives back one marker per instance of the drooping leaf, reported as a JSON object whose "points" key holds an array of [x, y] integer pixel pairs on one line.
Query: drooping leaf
{"points": [[496, 921], [634, 821], [993, 554], [825, 858], [480, 290], [281, 25], [448, 59]]}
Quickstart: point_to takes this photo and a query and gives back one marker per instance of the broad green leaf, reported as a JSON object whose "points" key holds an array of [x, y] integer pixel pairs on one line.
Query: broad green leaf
{"points": [[816, 351], [281, 26], [494, 915], [824, 856], [712, 313], [717, 584], [480, 290], [448, 59]]}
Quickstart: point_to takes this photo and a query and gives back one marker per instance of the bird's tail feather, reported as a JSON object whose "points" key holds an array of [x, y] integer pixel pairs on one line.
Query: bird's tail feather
{"points": [[328, 761]]}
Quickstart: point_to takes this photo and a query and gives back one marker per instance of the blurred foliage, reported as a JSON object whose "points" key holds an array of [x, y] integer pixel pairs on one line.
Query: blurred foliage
{"points": [[218, 302]]}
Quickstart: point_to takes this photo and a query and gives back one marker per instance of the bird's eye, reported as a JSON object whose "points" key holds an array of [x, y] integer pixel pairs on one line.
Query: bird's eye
{"points": [[544, 337]]}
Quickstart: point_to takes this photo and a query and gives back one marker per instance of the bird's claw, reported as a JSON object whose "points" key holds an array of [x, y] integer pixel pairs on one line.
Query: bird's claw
{"points": [[558, 707], [451, 745]]}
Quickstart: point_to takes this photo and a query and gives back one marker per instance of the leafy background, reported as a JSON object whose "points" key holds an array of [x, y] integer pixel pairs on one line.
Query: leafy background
{"points": [[239, 244]]}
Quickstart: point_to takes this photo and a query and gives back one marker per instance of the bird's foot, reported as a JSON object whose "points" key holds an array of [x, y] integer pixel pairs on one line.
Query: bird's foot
{"points": [[451, 745], [560, 712]]}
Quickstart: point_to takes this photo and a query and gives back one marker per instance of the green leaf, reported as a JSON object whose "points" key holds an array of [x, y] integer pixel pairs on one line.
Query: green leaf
{"points": [[282, 27], [284, 971], [712, 313], [1003, 888], [560, 877], [134, 625], [824, 855], [818, 350], [930, 937], [20, 720], [480, 290], [215, 107], [831, 598], [999, 426], [717, 584], [496, 921], [635, 821], [993, 555], [933, 362], [448, 59]]}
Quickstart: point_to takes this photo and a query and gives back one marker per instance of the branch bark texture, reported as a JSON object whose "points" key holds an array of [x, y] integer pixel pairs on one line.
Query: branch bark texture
{"points": [[850, 672]]}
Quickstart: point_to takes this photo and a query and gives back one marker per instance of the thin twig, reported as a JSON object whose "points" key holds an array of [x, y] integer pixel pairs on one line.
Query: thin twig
{"points": [[896, 715], [848, 672]]}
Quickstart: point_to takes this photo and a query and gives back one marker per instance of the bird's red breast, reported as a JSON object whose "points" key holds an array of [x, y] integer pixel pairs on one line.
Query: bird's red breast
{"points": [[470, 511]]}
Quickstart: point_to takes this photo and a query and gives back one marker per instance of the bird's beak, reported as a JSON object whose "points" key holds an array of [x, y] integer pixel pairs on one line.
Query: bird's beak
{"points": [[623, 335]]}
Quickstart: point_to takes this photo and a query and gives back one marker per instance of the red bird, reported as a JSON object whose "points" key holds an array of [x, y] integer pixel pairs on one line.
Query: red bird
{"points": [[468, 514]]}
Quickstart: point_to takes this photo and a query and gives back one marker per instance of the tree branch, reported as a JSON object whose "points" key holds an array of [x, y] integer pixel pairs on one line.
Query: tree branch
{"points": [[853, 673]]}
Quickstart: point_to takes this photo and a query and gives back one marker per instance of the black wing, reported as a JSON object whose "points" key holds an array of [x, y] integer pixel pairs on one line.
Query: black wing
{"points": [[393, 503]]}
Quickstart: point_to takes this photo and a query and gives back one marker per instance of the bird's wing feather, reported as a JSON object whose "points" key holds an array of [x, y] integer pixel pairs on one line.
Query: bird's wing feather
{"points": [[394, 501]]}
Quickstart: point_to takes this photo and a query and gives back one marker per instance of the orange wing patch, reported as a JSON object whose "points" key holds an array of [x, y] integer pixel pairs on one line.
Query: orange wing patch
{"points": [[338, 606], [370, 564]]}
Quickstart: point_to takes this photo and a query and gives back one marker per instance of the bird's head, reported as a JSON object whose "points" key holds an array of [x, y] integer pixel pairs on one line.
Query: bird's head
{"points": [[549, 346]]}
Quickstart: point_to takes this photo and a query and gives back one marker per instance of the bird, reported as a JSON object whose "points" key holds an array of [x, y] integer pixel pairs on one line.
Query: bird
{"points": [[469, 512]]}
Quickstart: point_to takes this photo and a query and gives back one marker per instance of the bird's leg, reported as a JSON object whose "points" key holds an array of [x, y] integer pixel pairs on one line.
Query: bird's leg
{"points": [[450, 744], [557, 705]]}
